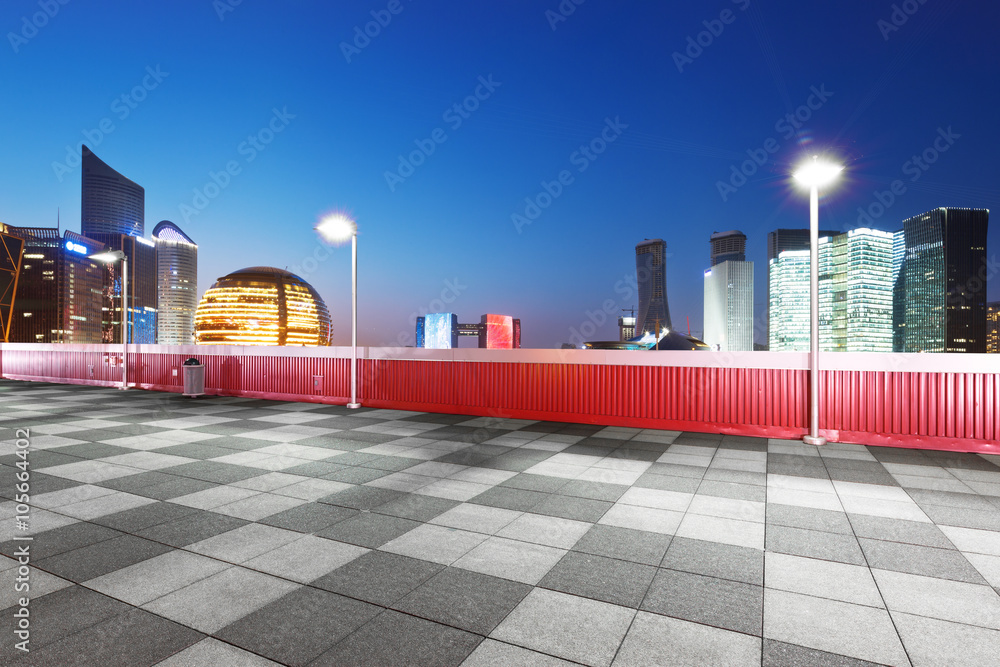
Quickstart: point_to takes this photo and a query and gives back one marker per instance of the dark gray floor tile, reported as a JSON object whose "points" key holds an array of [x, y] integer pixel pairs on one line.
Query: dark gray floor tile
{"points": [[417, 507], [637, 546], [630, 452], [898, 530], [963, 517], [191, 528], [732, 490], [63, 613], [175, 488], [882, 478], [368, 529], [736, 476], [514, 461], [135, 637], [593, 490], [297, 628], [309, 518], [949, 459], [135, 519], [465, 600], [722, 603], [213, 471], [132, 483], [315, 468], [355, 475], [362, 497], [811, 471], [780, 654], [826, 521], [365, 437], [42, 483], [509, 498], [378, 577], [950, 499], [44, 458], [714, 559], [814, 544], [467, 458], [610, 580], [914, 559], [90, 450], [598, 451], [389, 463], [529, 482], [668, 483], [676, 469], [196, 450], [568, 507], [60, 540], [398, 639], [91, 561]]}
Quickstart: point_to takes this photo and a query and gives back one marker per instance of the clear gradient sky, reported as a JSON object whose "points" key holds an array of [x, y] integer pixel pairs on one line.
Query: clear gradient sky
{"points": [[204, 81]]}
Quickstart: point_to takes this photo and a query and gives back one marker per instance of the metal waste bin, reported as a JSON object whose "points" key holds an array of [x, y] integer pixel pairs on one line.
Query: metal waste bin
{"points": [[194, 378]]}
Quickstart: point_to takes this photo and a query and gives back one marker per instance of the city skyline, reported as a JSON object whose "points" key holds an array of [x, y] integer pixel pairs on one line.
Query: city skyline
{"points": [[497, 195]]}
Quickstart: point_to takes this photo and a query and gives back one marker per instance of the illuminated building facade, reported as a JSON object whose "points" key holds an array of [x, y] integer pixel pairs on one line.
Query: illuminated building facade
{"points": [[729, 306], [651, 275], [11, 250], [945, 281], [177, 284], [728, 246], [788, 325], [781, 240], [993, 327], [440, 331], [60, 290], [110, 203], [261, 305], [856, 291], [142, 282], [626, 328]]}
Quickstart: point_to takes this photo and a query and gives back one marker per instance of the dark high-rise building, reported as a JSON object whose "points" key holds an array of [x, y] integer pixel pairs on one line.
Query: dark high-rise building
{"points": [[142, 283], [993, 327], [728, 246], [11, 249], [651, 274], [59, 292], [945, 281], [110, 203], [177, 284]]}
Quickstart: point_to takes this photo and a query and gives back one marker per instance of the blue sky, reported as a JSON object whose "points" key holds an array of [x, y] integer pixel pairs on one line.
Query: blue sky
{"points": [[619, 121]]}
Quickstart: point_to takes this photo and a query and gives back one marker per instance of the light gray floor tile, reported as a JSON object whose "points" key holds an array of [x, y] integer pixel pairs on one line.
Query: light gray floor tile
{"points": [[974, 540], [727, 508], [476, 518], [935, 643], [492, 653], [829, 625], [727, 531], [305, 559], [821, 578], [259, 506], [437, 544], [156, 577], [244, 543], [943, 599], [661, 640], [567, 626], [642, 518], [511, 559], [550, 531]]}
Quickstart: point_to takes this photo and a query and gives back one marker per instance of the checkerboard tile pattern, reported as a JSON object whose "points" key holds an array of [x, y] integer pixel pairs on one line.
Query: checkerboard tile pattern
{"points": [[230, 531]]}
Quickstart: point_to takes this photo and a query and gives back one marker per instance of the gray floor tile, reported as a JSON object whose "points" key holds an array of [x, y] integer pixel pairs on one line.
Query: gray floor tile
{"points": [[943, 599], [491, 653], [218, 654], [213, 471], [463, 599], [398, 639], [914, 559], [568, 507], [368, 529], [714, 559], [362, 497], [60, 540], [145, 581], [780, 654], [309, 518], [667, 483], [637, 546], [661, 640], [520, 500], [195, 527], [417, 507], [721, 603], [606, 579], [92, 561], [134, 520], [567, 626], [899, 530], [64, 613], [541, 483], [297, 628], [808, 518], [593, 490], [985, 519], [378, 577], [749, 492], [676, 469], [936, 643], [814, 544]]}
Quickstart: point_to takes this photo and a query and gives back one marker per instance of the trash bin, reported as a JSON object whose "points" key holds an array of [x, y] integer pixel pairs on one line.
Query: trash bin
{"points": [[194, 378]]}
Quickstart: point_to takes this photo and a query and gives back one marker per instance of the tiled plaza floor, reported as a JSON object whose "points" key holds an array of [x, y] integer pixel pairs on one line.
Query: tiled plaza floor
{"points": [[226, 531]]}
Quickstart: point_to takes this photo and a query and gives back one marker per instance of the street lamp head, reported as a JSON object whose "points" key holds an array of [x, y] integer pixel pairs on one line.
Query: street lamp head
{"points": [[108, 256], [337, 228], [816, 173]]}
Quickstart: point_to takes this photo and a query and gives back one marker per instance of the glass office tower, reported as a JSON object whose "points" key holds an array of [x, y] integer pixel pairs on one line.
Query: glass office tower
{"points": [[729, 306], [177, 284], [650, 268], [110, 203], [945, 281]]}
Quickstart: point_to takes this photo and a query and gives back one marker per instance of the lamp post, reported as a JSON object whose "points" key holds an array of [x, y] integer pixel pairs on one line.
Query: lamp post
{"points": [[110, 257], [814, 174], [337, 228]]}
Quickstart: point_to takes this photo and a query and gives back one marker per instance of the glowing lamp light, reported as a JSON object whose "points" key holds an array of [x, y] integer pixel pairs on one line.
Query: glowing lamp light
{"points": [[337, 228], [815, 173], [109, 256]]}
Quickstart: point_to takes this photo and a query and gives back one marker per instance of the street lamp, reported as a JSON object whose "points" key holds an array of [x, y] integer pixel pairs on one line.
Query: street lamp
{"points": [[110, 257], [814, 174], [338, 228]]}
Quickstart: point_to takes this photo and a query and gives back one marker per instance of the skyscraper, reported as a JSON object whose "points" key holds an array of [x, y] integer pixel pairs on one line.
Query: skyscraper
{"points": [[898, 291], [110, 203], [729, 306], [781, 240], [731, 245], [993, 327], [177, 284], [945, 281], [788, 327], [11, 250], [59, 292], [141, 302], [650, 269]]}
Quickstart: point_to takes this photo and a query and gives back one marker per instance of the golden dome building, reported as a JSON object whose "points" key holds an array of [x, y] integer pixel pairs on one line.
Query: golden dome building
{"points": [[262, 305]]}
